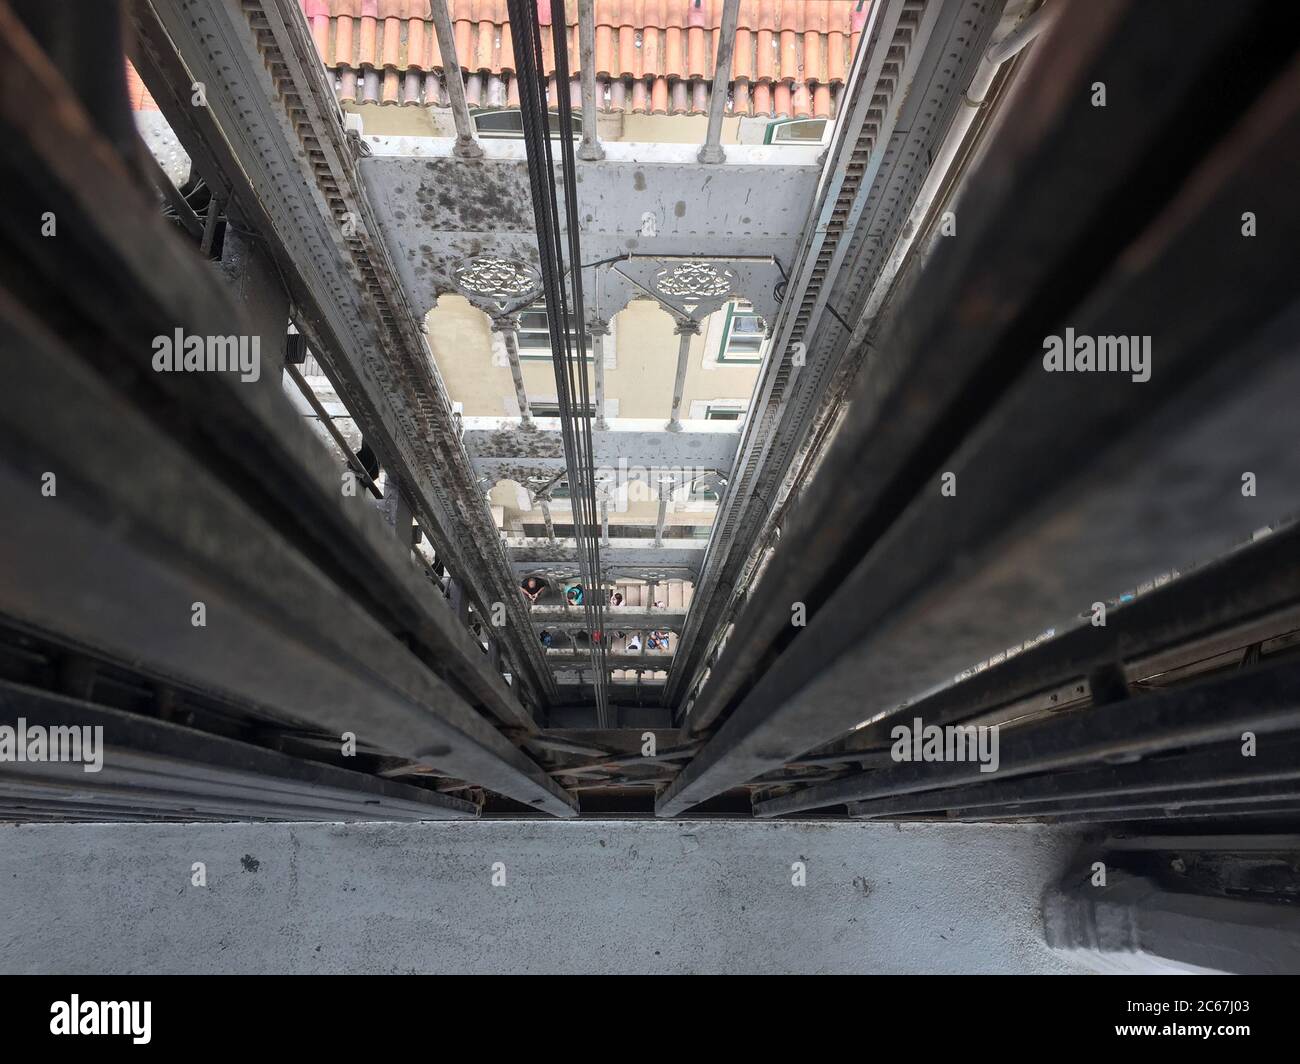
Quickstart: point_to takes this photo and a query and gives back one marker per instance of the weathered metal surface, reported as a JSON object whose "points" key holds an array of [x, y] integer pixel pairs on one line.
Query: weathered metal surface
{"points": [[275, 634], [158, 769], [1264, 701], [905, 86], [285, 628], [617, 618], [1163, 781], [1143, 919], [437, 213], [295, 165], [626, 455], [631, 558], [575, 659], [1187, 618], [942, 580]]}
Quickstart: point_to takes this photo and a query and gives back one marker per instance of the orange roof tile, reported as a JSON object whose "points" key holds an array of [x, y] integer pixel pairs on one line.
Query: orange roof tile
{"points": [[136, 93], [654, 55]]}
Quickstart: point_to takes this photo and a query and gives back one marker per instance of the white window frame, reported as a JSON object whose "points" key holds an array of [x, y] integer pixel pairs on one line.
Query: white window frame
{"points": [[718, 333], [700, 410]]}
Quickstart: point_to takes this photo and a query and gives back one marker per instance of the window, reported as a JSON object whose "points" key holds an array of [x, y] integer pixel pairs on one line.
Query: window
{"points": [[565, 531], [795, 131], [743, 339], [535, 335], [509, 125], [723, 413], [553, 410]]}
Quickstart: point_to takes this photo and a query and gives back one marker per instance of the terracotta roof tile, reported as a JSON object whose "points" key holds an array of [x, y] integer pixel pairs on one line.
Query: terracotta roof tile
{"points": [[417, 57], [835, 57], [604, 49], [652, 56], [742, 62], [790, 66], [822, 101], [508, 54], [781, 99], [342, 54], [464, 34], [392, 42], [367, 37], [484, 56], [696, 66], [766, 54], [136, 93]]}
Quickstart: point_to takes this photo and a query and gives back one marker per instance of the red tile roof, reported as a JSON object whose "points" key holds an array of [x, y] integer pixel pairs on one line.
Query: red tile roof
{"points": [[652, 56], [136, 93]]}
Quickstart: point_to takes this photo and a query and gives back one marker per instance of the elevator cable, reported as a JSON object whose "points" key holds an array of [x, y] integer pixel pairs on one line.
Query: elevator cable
{"points": [[570, 368]]}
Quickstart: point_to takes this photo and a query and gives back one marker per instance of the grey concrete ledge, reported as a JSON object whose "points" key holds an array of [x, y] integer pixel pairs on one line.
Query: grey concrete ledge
{"points": [[588, 896]]}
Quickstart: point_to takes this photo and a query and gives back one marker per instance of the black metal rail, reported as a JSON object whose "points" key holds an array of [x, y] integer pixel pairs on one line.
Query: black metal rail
{"points": [[564, 302]]}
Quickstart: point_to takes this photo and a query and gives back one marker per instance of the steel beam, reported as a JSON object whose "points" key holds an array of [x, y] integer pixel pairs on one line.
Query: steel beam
{"points": [[797, 576], [275, 632], [572, 659], [1237, 816], [1257, 585], [327, 423], [280, 147], [157, 768], [781, 411], [627, 451], [1247, 794], [1169, 778], [202, 518], [745, 216], [253, 428], [940, 582], [617, 618], [1264, 700], [678, 557]]}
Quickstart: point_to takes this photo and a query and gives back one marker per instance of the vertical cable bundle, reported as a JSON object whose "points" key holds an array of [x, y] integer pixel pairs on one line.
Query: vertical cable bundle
{"points": [[570, 368]]}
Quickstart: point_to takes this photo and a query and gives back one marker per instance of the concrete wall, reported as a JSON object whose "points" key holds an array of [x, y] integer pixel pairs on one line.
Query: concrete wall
{"points": [[591, 896]]}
